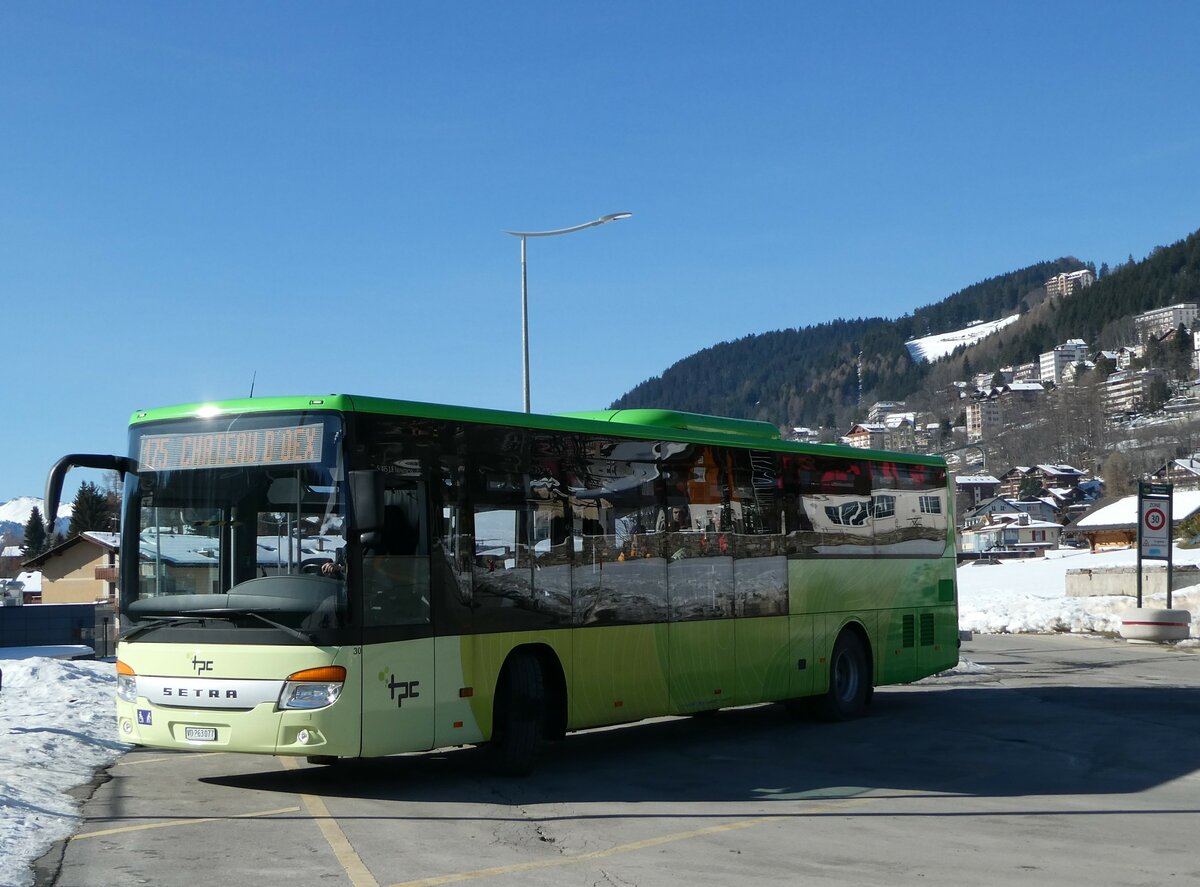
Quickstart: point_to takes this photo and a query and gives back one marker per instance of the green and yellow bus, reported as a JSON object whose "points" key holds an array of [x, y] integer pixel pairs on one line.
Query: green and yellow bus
{"points": [[342, 576]]}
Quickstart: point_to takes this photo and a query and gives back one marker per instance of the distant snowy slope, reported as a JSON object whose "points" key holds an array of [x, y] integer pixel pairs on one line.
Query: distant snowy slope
{"points": [[14, 514], [929, 348]]}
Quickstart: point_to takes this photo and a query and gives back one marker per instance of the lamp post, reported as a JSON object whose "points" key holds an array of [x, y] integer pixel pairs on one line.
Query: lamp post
{"points": [[611, 217]]}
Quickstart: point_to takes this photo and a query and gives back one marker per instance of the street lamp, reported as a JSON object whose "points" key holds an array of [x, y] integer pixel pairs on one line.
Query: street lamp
{"points": [[611, 217]]}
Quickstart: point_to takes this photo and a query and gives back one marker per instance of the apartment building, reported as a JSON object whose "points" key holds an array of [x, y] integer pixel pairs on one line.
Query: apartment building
{"points": [[1027, 372], [1158, 321], [983, 419], [1052, 363], [1067, 282], [1129, 391]]}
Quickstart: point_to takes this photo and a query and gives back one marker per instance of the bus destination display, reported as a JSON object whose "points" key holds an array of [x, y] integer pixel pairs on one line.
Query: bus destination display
{"points": [[293, 445]]}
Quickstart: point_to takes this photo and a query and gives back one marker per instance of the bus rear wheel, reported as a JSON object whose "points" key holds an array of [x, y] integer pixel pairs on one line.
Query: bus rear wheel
{"points": [[849, 681], [519, 716]]}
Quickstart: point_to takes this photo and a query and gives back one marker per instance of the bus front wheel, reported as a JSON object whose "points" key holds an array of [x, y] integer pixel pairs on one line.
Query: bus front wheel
{"points": [[849, 681], [519, 716]]}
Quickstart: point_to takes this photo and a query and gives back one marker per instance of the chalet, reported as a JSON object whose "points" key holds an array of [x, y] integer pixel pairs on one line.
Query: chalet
{"points": [[997, 506], [1112, 523], [1046, 476], [81, 570], [1042, 509], [1011, 533], [1183, 473], [972, 489], [1027, 393], [867, 436]]}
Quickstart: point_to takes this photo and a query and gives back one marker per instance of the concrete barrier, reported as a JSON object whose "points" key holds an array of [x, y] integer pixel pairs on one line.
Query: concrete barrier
{"points": [[1094, 581], [1147, 625]]}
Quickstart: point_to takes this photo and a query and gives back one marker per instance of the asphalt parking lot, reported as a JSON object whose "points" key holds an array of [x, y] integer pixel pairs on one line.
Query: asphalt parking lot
{"points": [[1051, 760]]}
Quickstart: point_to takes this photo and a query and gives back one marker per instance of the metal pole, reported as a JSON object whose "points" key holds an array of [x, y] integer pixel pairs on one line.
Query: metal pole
{"points": [[1141, 494], [525, 324], [603, 220]]}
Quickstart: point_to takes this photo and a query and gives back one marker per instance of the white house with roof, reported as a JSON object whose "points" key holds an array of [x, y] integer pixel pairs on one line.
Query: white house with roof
{"points": [[1009, 532]]}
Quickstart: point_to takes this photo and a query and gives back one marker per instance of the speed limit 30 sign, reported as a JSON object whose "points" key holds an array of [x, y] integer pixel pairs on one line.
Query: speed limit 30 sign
{"points": [[1154, 528]]}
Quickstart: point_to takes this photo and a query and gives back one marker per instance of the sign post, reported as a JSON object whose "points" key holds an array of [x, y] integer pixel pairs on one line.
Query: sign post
{"points": [[1154, 530]]}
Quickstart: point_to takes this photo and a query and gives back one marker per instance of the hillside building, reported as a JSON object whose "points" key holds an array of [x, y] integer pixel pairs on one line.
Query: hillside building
{"points": [[1052, 363], [881, 409], [1127, 354], [983, 418], [1129, 391], [1069, 281], [1160, 320], [1027, 372], [867, 436]]}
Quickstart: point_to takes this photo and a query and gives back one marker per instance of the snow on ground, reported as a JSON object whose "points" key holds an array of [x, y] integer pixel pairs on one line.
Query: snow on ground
{"points": [[57, 719], [930, 348], [1029, 595], [56, 729]]}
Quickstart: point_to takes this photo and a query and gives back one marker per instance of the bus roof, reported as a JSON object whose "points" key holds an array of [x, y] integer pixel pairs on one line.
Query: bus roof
{"points": [[633, 423]]}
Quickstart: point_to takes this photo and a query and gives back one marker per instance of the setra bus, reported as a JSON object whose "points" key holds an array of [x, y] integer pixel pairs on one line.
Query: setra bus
{"points": [[341, 576]]}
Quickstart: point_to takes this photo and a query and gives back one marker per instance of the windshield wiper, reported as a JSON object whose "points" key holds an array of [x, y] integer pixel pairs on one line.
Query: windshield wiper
{"points": [[153, 624], [231, 614]]}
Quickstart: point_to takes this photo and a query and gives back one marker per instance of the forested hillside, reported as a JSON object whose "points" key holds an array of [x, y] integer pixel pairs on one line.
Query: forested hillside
{"points": [[810, 376]]}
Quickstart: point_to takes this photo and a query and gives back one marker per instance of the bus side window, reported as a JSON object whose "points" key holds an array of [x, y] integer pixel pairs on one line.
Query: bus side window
{"points": [[396, 571]]}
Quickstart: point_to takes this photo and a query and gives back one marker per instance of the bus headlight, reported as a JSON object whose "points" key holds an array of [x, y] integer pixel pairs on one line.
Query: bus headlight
{"points": [[126, 682], [313, 688]]}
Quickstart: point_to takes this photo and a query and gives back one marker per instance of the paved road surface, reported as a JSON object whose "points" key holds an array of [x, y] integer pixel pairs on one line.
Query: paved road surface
{"points": [[1061, 761]]}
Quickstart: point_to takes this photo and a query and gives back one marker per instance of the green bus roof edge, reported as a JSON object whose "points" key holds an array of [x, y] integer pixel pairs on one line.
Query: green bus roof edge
{"points": [[635, 423]]}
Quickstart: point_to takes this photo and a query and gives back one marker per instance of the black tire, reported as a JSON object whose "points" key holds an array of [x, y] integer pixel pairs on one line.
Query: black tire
{"points": [[849, 681], [518, 716], [323, 760]]}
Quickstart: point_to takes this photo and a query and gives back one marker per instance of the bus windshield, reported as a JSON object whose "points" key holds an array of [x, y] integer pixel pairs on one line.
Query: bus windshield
{"points": [[239, 520]]}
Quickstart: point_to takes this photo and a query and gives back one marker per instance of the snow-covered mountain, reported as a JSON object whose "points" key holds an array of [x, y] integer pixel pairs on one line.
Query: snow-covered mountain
{"points": [[14, 514], [928, 348]]}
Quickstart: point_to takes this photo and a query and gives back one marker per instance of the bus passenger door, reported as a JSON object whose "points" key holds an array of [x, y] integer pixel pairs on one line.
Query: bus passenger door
{"points": [[398, 646]]}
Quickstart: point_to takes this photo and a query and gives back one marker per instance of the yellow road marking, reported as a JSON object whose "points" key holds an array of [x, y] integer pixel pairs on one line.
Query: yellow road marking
{"points": [[172, 823], [354, 867], [618, 849], [159, 760]]}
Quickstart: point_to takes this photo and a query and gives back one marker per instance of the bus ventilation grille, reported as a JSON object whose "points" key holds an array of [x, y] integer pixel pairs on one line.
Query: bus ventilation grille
{"points": [[926, 629], [909, 632]]}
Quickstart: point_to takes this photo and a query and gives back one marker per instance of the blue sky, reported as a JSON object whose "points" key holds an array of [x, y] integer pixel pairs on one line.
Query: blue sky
{"points": [[314, 195]]}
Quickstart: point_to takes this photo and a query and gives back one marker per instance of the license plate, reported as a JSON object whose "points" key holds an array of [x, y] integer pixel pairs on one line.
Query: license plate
{"points": [[200, 734]]}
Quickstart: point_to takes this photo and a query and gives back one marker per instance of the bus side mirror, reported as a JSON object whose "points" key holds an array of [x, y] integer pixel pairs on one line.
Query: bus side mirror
{"points": [[366, 503], [123, 465]]}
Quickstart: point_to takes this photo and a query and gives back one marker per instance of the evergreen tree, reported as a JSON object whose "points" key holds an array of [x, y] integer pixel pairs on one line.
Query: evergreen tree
{"points": [[35, 534], [1030, 488], [92, 510]]}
